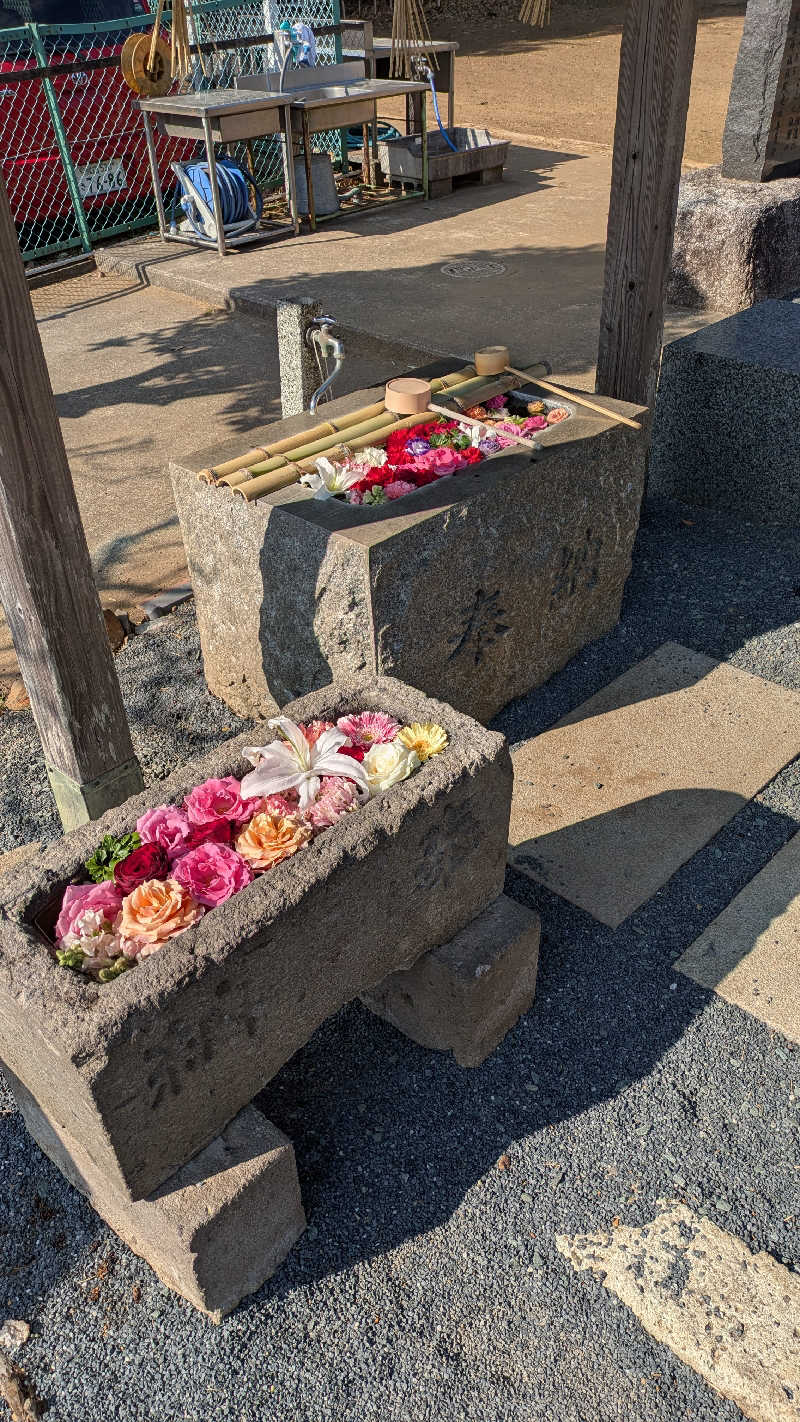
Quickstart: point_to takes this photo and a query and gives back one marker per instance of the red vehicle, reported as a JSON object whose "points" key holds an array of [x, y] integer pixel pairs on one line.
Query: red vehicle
{"points": [[102, 126]]}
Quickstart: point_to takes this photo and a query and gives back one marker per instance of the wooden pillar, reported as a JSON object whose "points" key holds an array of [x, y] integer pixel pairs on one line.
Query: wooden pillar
{"points": [[46, 581], [655, 74]]}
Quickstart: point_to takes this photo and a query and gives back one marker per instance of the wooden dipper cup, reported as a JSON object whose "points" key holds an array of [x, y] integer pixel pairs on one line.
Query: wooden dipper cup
{"points": [[491, 360]]}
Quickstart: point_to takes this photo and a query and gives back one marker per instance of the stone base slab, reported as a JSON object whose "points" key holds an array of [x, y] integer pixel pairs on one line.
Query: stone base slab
{"points": [[216, 1230], [749, 955], [465, 996], [725, 425], [612, 800], [735, 242]]}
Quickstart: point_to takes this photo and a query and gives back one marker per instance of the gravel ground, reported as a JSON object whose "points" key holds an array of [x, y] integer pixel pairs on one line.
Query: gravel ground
{"points": [[428, 1285]]}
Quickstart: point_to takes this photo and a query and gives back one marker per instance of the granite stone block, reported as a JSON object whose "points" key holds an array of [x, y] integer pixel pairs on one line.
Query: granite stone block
{"points": [[735, 242], [725, 424], [762, 134], [464, 996], [476, 589], [216, 1230], [146, 1070]]}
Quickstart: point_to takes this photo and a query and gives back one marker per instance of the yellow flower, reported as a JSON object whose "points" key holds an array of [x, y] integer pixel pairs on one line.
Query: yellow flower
{"points": [[270, 838], [424, 737]]}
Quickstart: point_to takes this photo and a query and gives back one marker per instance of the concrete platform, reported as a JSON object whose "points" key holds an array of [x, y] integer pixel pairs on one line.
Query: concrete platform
{"points": [[540, 232], [750, 954], [611, 801]]}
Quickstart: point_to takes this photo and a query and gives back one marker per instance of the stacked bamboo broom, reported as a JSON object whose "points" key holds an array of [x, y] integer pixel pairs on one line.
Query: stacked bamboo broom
{"points": [[535, 12], [411, 38]]}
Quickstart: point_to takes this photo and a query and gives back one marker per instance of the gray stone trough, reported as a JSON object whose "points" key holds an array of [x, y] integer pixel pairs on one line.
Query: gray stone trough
{"points": [[475, 589], [478, 156], [147, 1070]]}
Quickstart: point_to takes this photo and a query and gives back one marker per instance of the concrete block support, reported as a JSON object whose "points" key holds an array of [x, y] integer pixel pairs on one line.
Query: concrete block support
{"points": [[464, 997], [725, 425], [216, 1230], [145, 1071], [298, 369], [735, 242]]}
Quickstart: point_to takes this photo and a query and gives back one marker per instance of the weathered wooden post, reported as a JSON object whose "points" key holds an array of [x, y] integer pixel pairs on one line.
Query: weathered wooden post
{"points": [[655, 74], [46, 582]]}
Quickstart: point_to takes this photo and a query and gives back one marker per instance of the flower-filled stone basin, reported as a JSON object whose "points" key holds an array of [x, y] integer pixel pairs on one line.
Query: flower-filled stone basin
{"points": [[146, 1069]]}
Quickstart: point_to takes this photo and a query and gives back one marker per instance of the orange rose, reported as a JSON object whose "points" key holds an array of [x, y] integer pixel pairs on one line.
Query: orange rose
{"points": [[270, 838], [155, 911]]}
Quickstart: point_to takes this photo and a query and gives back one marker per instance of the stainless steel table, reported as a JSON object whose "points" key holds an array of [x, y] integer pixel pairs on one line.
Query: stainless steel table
{"points": [[318, 108], [220, 116], [444, 75]]}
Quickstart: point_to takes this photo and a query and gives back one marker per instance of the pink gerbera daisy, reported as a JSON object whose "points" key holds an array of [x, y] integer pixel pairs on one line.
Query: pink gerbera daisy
{"points": [[369, 728]]}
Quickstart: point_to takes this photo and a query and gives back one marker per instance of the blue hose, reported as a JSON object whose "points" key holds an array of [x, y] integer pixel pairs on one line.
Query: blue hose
{"points": [[234, 183], [442, 129]]}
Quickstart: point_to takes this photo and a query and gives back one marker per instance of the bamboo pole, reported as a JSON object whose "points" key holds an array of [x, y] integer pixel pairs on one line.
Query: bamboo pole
{"points": [[220, 472], [272, 480]]}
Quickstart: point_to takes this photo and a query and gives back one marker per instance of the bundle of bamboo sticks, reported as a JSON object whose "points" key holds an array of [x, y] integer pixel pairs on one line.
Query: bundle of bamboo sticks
{"points": [[411, 38], [535, 12]]}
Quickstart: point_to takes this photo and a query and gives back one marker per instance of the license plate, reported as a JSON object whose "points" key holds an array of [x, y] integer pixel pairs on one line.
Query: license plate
{"points": [[97, 178]]}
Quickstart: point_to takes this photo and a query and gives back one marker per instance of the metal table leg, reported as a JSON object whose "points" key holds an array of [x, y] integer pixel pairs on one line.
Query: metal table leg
{"points": [[291, 186], [423, 125], [151, 154], [212, 175], [312, 216]]}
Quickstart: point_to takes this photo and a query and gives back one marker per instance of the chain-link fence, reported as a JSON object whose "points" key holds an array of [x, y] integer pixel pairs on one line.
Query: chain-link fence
{"points": [[72, 147]]}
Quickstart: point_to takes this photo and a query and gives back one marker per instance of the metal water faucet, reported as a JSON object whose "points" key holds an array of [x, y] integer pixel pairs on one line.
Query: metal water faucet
{"points": [[319, 338]]}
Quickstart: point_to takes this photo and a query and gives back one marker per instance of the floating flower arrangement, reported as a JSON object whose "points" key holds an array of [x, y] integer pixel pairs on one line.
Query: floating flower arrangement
{"points": [[418, 456], [182, 861]]}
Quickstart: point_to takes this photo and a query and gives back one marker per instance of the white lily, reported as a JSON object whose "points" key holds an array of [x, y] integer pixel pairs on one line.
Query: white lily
{"points": [[331, 478], [290, 763]]}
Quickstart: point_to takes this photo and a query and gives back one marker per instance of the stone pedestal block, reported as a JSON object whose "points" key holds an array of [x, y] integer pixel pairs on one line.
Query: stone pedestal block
{"points": [[476, 588], [216, 1230], [464, 997], [146, 1070], [725, 425], [735, 242]]}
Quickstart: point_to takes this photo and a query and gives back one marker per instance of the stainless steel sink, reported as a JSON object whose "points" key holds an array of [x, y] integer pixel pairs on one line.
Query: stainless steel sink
{"points": [[339, 105]]}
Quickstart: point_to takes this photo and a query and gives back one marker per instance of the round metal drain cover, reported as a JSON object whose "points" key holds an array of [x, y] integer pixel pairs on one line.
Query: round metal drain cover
{"points": [[472, 270]]}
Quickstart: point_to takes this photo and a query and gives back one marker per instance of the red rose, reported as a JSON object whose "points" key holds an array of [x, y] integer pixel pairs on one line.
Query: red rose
{"points": [[201, 834], [149, 861], [423, 476], [382, 476], [471, 455], [355, 752]]}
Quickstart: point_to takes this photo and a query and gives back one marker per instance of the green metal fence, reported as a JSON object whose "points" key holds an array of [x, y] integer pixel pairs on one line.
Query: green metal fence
{"points": [[72, 148]]}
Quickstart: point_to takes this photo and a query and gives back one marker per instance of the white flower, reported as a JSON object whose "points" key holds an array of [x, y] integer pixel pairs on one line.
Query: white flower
{"points": [[93, 935], [476, 433], [331, 478], [370, 458], [292, 764], [389, 763]]}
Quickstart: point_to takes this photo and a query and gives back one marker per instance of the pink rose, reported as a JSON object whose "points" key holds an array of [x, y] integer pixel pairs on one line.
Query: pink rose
{"points": [[165, 825], [398, 488], [427, 462], [217, 800], [78, 899], [536, 422], [212, 873], [445, 461]]}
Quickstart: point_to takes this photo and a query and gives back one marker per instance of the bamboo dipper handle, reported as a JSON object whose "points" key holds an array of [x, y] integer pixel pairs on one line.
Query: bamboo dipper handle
{"points": [[468, 420], [576, 399]]}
